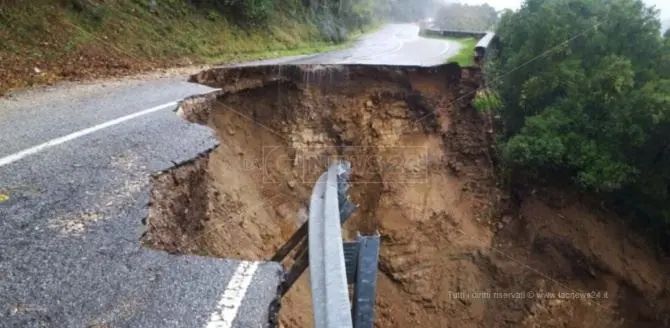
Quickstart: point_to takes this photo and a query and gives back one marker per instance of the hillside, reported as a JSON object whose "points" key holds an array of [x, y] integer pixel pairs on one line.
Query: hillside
{"points": [[45, 41], [541, 200]]}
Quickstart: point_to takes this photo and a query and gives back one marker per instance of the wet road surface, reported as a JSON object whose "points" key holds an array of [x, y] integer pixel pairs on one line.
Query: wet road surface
{"points": [[74, 167]]}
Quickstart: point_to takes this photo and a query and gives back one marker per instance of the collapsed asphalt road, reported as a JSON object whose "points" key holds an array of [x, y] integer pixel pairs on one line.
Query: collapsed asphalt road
{"points": [[75, 164]]}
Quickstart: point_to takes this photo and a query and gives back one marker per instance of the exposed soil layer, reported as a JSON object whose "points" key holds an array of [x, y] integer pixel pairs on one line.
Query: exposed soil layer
{"points": [[455, 252]]}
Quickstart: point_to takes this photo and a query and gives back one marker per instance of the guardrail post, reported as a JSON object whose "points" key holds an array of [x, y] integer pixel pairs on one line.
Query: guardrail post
{"points": [[365, 281]]}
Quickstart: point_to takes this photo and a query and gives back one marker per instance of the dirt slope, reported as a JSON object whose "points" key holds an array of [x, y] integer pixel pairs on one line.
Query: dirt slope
{"points": [[456, 251]]}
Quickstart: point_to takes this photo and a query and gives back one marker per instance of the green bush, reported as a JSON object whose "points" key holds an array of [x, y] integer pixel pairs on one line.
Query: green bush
{"points": [[586, 92], [89, 10], [334, 18], [487, 101]]}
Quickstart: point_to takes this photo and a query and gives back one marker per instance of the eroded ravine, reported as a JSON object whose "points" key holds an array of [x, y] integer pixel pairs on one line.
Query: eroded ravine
{"points": [[421, 175]]}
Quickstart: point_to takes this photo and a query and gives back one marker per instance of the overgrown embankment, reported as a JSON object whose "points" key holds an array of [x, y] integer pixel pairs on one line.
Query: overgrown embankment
{"points": [[45, 41], [464, 57]]}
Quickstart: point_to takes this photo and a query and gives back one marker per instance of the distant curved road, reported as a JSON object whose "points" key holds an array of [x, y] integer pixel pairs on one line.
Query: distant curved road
{"points": [[395, 44], [75, 162]]}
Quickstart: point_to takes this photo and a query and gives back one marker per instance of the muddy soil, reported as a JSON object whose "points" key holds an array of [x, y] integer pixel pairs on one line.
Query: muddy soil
{"points": [[456, 250]]}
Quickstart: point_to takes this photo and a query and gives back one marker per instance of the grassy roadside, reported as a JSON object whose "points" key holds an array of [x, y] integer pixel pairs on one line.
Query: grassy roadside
{"points": [[308, 48], [46, 41], [464, 57]]}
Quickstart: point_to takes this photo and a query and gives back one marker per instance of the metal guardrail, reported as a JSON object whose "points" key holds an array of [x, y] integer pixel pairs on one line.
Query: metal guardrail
{"points": [[330, 297], [333, 264], [365, 281], [482, 45], [434, 31], [486, 40]]}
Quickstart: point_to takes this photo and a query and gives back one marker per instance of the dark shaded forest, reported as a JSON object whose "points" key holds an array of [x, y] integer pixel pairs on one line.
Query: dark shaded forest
{"points": [[333, 16]]}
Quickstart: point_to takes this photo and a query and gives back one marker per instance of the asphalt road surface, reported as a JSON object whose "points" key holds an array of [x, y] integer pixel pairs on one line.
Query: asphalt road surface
{"points": [[74, 168]]}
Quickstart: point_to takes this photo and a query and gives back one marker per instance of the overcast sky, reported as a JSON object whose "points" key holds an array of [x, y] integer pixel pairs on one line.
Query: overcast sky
{"points": [[663, 5]]}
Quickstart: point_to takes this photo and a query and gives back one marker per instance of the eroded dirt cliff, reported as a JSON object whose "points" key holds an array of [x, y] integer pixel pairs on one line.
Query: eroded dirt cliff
{"points": [[456, 250]]}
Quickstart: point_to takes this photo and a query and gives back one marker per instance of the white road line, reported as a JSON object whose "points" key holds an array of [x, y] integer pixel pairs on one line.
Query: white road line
{"points": [[441, 55], [399, 43], [446, 50], [57, 141], [231, 299]]}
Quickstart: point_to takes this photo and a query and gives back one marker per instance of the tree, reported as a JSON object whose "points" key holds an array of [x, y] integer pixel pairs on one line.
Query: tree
{"points": [[465, 17], [411, 10], [333, 17], [586, 92]]}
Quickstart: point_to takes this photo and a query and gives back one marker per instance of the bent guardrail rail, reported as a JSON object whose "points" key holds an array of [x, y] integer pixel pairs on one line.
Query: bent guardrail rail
{"points": [[330, 295], [482, 45], [334, 265]]}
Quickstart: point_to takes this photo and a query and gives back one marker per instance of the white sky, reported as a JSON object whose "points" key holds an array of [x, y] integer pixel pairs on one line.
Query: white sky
{"points": [[663, 5]]}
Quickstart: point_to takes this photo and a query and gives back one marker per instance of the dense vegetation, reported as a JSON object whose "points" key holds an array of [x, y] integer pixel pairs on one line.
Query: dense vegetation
{"points": [[412, 10], [585, 86], [333, 17], [457, 16]]}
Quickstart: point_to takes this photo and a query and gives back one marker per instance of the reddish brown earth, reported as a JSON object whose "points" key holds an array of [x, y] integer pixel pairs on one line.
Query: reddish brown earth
{"points": [[457, 251]]}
